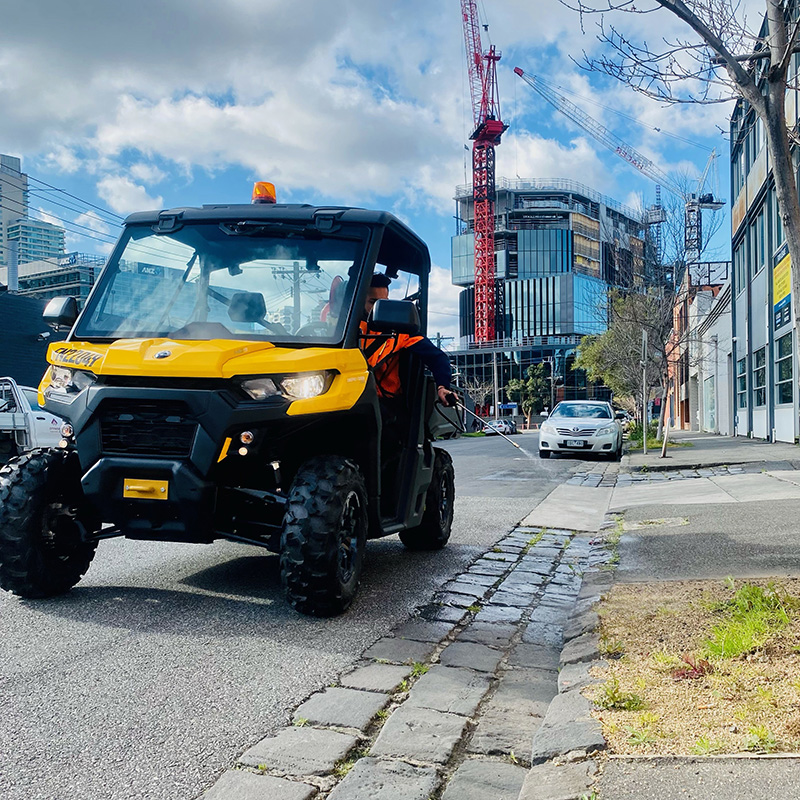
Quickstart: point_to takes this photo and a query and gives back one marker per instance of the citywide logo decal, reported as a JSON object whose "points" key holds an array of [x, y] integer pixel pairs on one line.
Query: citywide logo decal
{"points": [[69, 355]]}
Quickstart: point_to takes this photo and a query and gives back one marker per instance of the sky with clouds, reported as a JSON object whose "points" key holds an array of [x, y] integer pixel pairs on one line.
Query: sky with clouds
{"points": [[131, 106]]}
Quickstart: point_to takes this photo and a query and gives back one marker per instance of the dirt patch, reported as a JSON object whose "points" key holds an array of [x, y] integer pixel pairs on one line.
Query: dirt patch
{"points": [[668, 694]]}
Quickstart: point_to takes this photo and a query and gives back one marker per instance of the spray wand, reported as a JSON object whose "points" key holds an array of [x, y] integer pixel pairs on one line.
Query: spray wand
{"points": [[454, 401]]}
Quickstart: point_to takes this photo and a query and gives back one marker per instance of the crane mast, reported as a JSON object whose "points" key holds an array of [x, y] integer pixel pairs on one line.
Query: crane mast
{"points": [[488, 129], [694, 201]]}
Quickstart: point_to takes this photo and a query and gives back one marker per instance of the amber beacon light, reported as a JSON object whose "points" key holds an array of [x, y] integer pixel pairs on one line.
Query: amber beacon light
{"points": [[263, 192]]}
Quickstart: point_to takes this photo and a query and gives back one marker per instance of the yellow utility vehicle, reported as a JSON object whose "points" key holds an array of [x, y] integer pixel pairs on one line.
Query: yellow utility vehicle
{"points": [[213, 387]]}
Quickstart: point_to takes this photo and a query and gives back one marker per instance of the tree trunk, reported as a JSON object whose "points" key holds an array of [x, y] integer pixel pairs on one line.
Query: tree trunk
{"points": [[785, 183]]}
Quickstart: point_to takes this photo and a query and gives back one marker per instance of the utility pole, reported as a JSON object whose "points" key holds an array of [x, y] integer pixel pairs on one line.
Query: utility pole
{"points": [[496, 387], [438, 339], [644, 392]]}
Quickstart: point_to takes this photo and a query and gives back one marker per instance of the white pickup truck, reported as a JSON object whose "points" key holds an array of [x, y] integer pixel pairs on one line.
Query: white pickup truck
{"points": [[24, 425]]}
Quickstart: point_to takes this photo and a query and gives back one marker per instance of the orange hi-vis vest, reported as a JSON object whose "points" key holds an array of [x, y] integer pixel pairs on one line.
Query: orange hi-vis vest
{"points": [[383, 355]]}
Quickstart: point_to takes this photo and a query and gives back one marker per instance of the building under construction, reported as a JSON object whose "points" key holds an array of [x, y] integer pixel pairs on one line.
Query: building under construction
{"points": [[559, 247]]}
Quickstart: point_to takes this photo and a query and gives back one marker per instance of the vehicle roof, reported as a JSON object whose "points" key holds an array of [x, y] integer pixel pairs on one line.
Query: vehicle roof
{"points": [[275, 212], [408, 251], [583, 402]]}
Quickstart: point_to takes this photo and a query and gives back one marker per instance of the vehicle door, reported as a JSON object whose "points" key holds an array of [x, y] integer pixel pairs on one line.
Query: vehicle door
{"points": [[45, 428]]}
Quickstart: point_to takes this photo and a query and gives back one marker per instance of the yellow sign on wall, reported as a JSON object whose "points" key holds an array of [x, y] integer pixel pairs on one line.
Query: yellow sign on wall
{"points": [[782, 282]]}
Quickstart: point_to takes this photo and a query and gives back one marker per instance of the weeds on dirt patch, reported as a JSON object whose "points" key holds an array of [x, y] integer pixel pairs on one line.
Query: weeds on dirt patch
{"points": [[419, 669], [695, 668], [754, 614], [761, 740], [706, 746], [612, 697]]}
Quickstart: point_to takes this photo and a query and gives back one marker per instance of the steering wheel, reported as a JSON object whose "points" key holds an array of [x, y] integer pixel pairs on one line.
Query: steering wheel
{"points": [[314, 329]]}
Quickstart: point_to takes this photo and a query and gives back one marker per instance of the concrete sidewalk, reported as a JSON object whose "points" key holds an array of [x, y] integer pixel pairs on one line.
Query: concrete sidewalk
{"points": [[706, 449], [710, 524]]}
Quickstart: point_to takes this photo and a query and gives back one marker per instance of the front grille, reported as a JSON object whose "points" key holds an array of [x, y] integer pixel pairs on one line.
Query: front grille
{"points": [[142, 428], [571, 433]]}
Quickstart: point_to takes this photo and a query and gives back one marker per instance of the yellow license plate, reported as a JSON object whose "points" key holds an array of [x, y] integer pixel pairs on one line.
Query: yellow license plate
{"points": [[145, 490]]}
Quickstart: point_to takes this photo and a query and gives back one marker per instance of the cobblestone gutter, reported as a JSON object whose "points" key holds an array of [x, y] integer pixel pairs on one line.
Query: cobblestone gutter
{"points": [[447, 706]]}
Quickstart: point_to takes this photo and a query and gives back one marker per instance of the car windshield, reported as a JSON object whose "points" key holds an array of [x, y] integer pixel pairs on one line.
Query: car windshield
{"points": [[581, 411], [220, 281]]}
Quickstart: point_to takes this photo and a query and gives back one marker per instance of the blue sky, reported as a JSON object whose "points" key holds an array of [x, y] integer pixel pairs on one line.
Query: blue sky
{"points": [[132, 106]]}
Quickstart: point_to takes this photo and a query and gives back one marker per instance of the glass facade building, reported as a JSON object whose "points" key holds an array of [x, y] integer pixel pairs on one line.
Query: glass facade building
{"points": [[559, 246]]}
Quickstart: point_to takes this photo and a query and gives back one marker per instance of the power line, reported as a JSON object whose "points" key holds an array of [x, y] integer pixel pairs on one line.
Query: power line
{"points": [[65, 192]]}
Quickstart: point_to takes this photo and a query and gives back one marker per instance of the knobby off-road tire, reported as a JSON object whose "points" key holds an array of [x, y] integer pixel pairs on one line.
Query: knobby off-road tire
{"points": [[437, 518], [324, 536], [42, 552]]}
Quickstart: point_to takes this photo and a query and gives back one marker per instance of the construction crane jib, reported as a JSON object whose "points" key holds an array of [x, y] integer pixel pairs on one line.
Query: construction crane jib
{"points": [[694, 201], [487, 132]]}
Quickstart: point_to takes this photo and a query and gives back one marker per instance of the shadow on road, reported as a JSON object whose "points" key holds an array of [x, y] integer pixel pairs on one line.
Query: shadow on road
{"points": [[243, 596]]}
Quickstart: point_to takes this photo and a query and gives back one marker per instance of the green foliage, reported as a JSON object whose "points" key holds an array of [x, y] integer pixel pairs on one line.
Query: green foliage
{"points": [[533, 392], [761, 740], [419, 669], [753, 614], [705, 746], [613, 697], [614, 357]]}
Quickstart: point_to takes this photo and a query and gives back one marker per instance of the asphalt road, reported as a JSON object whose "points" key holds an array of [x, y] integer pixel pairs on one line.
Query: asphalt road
{"points": [[167, 661]]}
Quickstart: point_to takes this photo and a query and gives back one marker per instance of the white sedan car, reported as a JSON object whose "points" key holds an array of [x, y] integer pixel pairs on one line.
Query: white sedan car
{"points": [[579, 427]]}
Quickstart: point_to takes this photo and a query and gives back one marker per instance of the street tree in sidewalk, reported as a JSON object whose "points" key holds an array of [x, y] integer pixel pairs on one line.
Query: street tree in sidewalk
{"points": [[724, 58], [614, 357], [532, 393]]}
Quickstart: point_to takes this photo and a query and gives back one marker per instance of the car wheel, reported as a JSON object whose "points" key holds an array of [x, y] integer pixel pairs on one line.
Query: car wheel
{"points": [[437, 519], [544, 454], [43, 551], [324, 536]]}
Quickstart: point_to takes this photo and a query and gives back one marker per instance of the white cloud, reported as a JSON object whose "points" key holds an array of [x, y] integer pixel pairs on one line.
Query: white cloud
{"points": [[146, 173], [125, 196], [94, 222]]}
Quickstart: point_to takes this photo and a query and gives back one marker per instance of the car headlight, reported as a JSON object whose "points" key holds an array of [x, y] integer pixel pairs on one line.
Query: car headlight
{"points": [[606, 430], [294, 387], [69, 381], [548, 429]]}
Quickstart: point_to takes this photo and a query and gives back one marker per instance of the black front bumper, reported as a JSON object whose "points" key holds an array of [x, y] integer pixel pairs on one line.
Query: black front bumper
{"points": [[186, 514]]}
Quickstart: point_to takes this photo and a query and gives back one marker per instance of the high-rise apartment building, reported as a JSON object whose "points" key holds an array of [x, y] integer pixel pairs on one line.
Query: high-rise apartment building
{"points": [[33, 239], [13, 199]]}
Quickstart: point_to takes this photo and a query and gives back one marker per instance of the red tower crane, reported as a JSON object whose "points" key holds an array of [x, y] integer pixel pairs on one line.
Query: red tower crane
{"points": [[486, 135]]}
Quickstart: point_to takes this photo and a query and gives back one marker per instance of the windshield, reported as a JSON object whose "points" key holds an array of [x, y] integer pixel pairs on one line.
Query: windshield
{"points": [[581, 410], [212, 281]]}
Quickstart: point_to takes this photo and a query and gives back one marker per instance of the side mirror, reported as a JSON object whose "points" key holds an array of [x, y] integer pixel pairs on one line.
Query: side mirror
{"points": [[394, 316], [619, 415], [61, 312]]}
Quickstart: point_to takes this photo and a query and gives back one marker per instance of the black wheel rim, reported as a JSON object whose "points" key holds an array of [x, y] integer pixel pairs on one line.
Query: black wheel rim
{"points": [[349, 537], [61, 531], [444, 502]]}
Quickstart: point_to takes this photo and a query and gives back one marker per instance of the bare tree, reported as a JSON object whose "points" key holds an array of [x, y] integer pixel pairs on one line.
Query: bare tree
{"points": [[477, 390], [723, 59]]}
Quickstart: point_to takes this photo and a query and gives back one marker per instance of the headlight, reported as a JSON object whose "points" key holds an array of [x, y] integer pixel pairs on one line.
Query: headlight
{"points": [[549, 429], [304, 386], [293, 387], [69, 381], [606, 430], [260, 388]]}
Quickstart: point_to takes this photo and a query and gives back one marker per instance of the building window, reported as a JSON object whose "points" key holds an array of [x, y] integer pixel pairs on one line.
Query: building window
{"points": [[740, 265], [783, 369], [741, 383], [760, 377]]}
